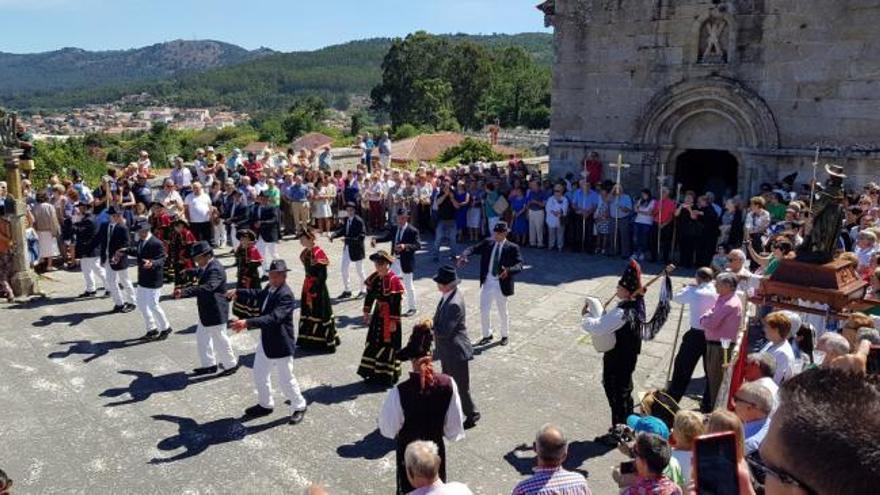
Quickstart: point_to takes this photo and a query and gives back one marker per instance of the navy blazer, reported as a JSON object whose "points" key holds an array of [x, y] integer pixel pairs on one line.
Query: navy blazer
{"points": [[152, 249], [86, 231], [275, 320], [450, 333], [411, 243], [109, 245], [268, 218], [510, 259], [354, 240], [210, 294]]}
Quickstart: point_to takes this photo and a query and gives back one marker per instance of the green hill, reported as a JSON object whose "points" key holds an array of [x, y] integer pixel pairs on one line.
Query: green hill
{"points": [[269, 82]]}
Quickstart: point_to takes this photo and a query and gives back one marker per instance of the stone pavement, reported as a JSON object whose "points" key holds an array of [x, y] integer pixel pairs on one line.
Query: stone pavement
{"points": [[88, 408]]}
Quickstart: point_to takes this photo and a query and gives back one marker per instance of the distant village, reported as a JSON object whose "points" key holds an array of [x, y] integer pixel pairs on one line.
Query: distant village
{"points": [[129, 114]]}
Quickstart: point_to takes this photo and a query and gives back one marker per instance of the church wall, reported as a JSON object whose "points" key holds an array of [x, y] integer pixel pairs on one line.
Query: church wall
{"points": [[814, 67]]}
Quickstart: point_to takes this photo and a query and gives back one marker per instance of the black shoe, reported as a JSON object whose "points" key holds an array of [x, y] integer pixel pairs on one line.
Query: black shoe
{"points": [[119, 308], [228, 371], [106, 293], [206, 370], [485, 340], [503, 341], [609, 439], [128, 308], [164, 334], [264, 278], [152, 334], [410, 312], [87, 294], [297, 416], [471, 421], [257, 411], [344, 295]]}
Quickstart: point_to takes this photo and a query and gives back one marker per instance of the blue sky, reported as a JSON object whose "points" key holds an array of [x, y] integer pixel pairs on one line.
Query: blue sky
{"points": [[286, 25]]}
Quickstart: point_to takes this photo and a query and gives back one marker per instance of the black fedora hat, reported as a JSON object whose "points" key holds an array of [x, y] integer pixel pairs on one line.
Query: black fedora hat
{"points": [[113, 210], [200, 248], [350, 204], [501, 226], [446, 275], [246, 233], [278, 265], [402, 212], [142, 224], [382, 255]]}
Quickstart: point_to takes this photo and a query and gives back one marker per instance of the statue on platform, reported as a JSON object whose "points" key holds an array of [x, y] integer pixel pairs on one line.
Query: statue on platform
{"points": [[826, 220], [8, 130]]}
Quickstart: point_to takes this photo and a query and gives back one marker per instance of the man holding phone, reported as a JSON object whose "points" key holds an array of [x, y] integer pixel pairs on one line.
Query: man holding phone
{"points": [[652, 454]]}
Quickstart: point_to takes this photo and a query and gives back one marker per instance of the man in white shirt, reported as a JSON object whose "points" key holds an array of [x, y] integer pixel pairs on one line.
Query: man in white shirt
{"points": [[198, 213], [170, 198], [700, 299], [182, 177], [760, 367], [556, 207]]}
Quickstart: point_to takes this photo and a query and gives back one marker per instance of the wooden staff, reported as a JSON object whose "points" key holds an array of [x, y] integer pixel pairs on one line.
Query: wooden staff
{"points": [[674, 344], [675, 221], [660, 203], [813, 185], [644, 287], [619, 166]]}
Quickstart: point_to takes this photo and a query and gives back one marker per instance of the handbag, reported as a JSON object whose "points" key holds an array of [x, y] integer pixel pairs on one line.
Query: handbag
{"points": [[500, 205]]}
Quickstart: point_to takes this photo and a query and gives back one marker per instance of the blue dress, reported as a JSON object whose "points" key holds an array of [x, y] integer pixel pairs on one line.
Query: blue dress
{"points": [[461, 213], [521, 223]]}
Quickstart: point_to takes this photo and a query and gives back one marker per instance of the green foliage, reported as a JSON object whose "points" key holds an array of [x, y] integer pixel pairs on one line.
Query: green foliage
{"points": [[430, 81], [61, 157], [405, 131], [469, 151]]}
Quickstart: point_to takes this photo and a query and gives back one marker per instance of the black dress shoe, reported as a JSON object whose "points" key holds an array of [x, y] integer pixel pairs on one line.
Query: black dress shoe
{"points": [[503, 341], [297, 416], [228, 371], [471, 421], [485, 340], [119, 308], [128, 308], [410, 312], [164, 334], [344, 295], [151, 334], [106, 293], [87, 294], [257, 411], [206, 370]]}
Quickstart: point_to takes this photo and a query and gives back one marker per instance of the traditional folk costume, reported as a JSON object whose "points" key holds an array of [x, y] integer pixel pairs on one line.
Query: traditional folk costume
{"points": [[317, 326], [162, 228], [247, 263], [619, 334], [424, 407], [180, 248], [384, 295]]}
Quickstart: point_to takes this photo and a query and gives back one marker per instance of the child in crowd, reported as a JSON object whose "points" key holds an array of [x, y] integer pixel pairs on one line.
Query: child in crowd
{"points": [[686, 427]]}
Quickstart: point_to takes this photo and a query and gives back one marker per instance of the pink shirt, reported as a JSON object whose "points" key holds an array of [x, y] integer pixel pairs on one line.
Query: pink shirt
{"points": [[722, 321]]}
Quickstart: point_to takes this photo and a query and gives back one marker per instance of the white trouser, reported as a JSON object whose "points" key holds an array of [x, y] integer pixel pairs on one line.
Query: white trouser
{"points": [[263, 367], [269, 252], [555, 236], [207, 337], [536, 228], [491, 292], [220, 235], [115, 278], [233, 232], [358, 269], [407, 284], [90, 268], [148, 303]]}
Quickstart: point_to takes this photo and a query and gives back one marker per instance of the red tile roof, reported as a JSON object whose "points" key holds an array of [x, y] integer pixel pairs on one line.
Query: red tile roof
{"points": [[428, 147], [312, 141]]}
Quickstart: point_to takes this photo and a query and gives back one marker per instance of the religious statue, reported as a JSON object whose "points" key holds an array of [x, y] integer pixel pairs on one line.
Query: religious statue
{"points": [[826, 220], [8, 130]]}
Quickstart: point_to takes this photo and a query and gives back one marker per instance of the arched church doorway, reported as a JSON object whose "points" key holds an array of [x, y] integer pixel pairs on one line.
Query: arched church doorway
{"points": [[707, 170]]}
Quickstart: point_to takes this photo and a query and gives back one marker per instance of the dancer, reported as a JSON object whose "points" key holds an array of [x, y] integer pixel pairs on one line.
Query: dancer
{"points": [[150, 254], [382, 314], [180, 247], [264, 221], [424, 407], [113, 236], [354, 231], [210, 292], [317, 325], [500, 260], [247, 263], [275, 350], [405, 242], [88, 250]]}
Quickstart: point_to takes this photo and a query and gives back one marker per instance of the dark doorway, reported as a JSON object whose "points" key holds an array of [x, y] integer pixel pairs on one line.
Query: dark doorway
{"points": [[707, 170]]}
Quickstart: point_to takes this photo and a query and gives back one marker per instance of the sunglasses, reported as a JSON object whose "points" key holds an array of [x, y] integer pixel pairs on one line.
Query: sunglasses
{"points": [[760, 466]]}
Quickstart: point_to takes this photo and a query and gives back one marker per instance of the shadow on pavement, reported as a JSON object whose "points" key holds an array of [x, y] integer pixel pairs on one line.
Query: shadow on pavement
{"points": [[371, 447], [72, 319], [145, 385], [195, 438], [94, 350], [329, 395]]}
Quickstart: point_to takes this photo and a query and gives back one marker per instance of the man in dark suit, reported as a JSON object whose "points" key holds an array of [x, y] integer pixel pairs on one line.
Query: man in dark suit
{"points": [[235, 215], [113, 237], [277, 341], [150, 254], [264, 221], [453, 347], [500, 260], [87, 249], [405, 242], [213, 306], [354, 232]]}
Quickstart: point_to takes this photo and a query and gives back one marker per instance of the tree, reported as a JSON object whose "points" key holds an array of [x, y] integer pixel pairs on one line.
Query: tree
{"points": [[469, 151], [469, 73], [432, 104], [518, 86]]}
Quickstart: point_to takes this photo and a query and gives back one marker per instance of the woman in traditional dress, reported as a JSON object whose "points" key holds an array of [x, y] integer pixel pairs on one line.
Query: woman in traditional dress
{"points": [[382, 314], [247, 262], [182, 240], [317, 326]]}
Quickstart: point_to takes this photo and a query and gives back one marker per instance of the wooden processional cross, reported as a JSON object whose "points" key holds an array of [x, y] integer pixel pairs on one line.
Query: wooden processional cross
{"points": [[619, 166], [660, 180]]}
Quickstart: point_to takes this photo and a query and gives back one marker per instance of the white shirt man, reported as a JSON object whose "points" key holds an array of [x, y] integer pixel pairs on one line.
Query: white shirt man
{"points": [[556, 208], [198, 204], [700, 299]]}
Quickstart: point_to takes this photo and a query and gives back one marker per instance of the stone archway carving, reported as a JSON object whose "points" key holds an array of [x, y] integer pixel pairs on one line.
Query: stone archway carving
{"points": [[743, 108]]}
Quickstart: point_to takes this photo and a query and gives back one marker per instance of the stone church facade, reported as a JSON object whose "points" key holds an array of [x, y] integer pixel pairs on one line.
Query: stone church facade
{"points": [[722, 95]]}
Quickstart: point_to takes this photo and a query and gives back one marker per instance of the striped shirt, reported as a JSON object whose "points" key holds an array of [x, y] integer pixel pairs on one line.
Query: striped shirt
{"points": [[553, 481]]}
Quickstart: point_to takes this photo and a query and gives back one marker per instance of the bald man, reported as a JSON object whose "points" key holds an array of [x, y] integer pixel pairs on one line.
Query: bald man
{"points": [[552, 449]]}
